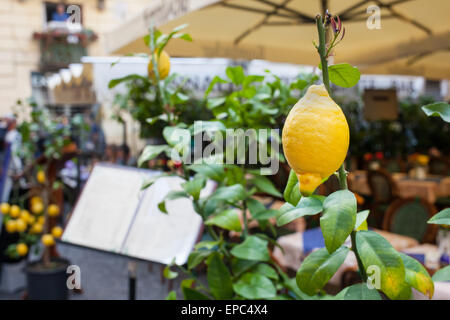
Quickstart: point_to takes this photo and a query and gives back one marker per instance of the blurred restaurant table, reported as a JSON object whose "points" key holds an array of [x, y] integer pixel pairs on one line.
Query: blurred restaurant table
{"points": [[429, 189], [296, 246]]}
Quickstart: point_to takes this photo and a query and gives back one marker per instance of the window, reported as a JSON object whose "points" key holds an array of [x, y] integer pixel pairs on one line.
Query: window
{"points": [[57, 11]]}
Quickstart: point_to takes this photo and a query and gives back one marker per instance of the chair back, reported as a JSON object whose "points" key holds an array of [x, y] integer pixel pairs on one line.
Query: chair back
{"points": [[409, 217], [381, 185], [438, 166]]}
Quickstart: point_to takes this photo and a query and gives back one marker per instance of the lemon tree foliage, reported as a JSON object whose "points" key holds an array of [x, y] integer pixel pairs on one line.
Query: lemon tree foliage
{"points": [[438, 109]]}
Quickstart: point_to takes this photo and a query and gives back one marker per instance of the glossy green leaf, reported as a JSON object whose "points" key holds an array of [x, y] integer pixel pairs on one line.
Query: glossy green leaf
{"points": [[214, 81], [438, 109], [192, 294], [150, 152], [361, 291], [219, 278], [344, 75], [208, 244], [196, 257], [307, 206], [228, 219], [338, 218], [235, 74], [265, 270], [376, 253], [253, 248], [178, 138], [442, 274], [361, 218], [171, 296], [231, 194], [442, 217], [169, 274], [259, 210], [213, 171], [265, 185], [115, 82], [194, 186], [292, 191], [318, 268], [255, 286], [417, 276]]}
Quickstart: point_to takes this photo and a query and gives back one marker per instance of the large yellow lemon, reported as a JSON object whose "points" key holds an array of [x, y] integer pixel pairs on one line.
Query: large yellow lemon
{"points": [[36, 228], [315, 138], [22, 249], [57, 232], [37, 207], [21, 225], [163, 66], [48, 240], [11, 226], [14, 212], [53, 210], [5, 207]]}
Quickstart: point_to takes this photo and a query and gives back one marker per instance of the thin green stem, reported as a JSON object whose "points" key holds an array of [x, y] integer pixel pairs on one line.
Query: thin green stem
{"points": [[342, 174]]}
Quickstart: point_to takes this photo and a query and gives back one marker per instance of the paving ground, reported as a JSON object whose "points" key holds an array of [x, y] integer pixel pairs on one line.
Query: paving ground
{"points": [[105, 276]]}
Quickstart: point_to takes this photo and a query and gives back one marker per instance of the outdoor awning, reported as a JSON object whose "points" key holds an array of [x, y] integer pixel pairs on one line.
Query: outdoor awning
{"points": [[414, 37]]}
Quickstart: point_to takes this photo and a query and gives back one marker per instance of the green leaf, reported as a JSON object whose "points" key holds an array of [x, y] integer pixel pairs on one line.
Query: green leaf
{"points": [[292, 191], [306, 207], [162, 207], [442, 217], [442, 274], [338, 218], [178, 138], [318, 268], [213, 103], [253, 248], [265, 270], [192, 294], [206, 126], [194, 186], [115, 82], [235, 74], [214, 81], [377, 252], [255, 286], [265, 185], [169, 274], [417, 276], [361, 291], [150, 152], [208, 244], [176, 194], [361, 218], [344, 75], [438, 109], [196, 257], [171, 296], [219, 278], [228, 219], [213, 171], [231, 194]]}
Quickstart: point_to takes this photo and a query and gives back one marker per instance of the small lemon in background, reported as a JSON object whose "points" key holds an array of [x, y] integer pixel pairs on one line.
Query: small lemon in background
{"points": [[22, 249], [5, 207], [53, 210], [163, 63], [35, 199], [41, 220], [37, 207], [37, 228], [11, 226], [315, 138], [25, 215], [57, 232], [31, 219], [14, 212], [48, 240], [21, 225], [40, 176]]}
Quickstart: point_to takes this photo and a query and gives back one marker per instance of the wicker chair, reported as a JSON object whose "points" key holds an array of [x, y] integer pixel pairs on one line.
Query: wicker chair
{"points": [[384, 191], [409, 217]]}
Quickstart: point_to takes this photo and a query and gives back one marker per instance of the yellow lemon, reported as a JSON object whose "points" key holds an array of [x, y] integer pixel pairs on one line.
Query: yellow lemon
{"points": [[57, 232], [41, 220], [36, 228], [31, 219], [25, 215], [48, 240], [40, 176], [11, 226], [315, 138], [22, 249], [21, 225], [163, 66], [37, 207], [35, 199], [5, 207], [53, 210], [14, 212]]}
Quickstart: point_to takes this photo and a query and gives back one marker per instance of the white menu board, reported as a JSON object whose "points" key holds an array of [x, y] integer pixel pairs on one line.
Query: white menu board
{"points": [[113, 214]]}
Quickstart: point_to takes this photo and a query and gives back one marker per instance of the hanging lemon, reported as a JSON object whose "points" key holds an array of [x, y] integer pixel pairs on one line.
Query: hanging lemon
{"points": [[37, 207], [14, 212], [315, 138], [35, 199], [37, 228], [21, 225], [40, 176], [5, 207], [163, 63], [57, 232], [11, 226], [22, 249], [48, 240], [53, 210]]}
